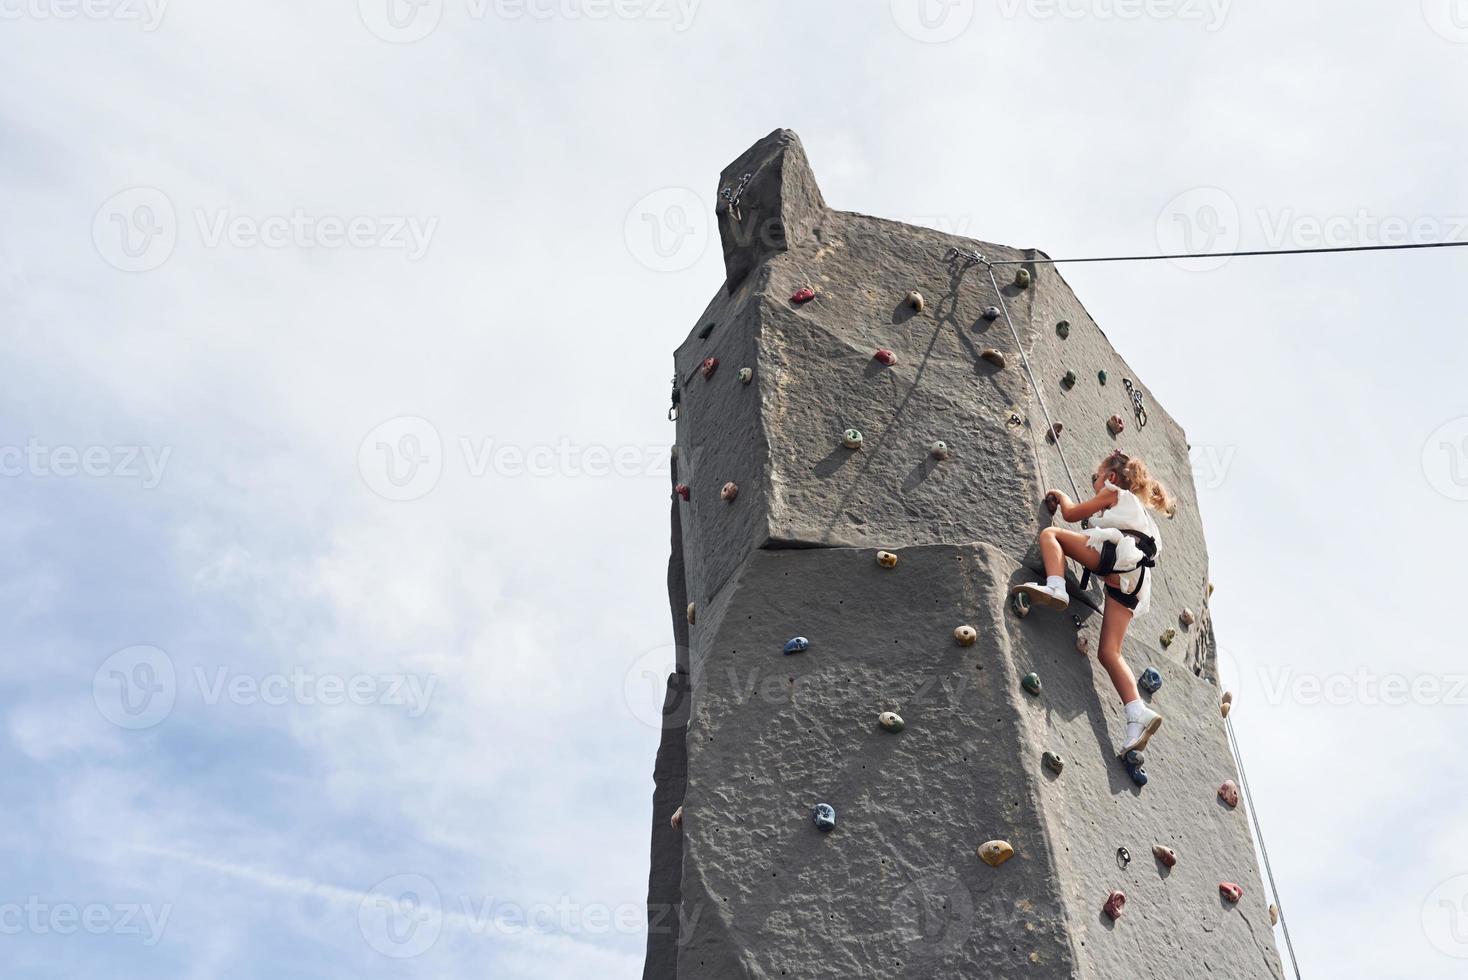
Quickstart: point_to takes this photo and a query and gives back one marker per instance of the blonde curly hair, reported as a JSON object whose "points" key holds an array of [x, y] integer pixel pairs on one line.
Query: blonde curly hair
{"points": [[1130, 473]]}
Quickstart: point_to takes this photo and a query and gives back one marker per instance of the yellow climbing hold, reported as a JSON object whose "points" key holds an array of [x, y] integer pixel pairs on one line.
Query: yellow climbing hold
{"points": [[1022, 279], [995, 852], [886, 559]]}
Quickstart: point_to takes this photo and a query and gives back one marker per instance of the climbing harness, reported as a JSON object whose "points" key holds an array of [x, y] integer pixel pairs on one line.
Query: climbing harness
{"points": [[1263, 850], [1145, 544], [1137, 407], [733, 195]]}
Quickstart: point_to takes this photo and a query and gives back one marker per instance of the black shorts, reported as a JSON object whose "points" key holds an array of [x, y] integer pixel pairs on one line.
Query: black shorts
{"points": [[1106, 566]]}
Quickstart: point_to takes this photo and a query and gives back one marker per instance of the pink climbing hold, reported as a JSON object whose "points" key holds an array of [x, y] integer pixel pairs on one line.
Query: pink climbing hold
{"points": [[1164, 854], [682, 490], [709, 366], [1115, 424], [803, 295], [1115, 902], [1229, 793], [885, 356], [729, 491], [1231, 892]]}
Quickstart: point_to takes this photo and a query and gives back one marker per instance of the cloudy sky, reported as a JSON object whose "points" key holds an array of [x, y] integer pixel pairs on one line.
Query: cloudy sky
{"points": [[336, 341]]}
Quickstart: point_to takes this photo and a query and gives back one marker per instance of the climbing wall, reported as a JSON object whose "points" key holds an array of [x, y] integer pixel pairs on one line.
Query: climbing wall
{"points": [[824, 415]]}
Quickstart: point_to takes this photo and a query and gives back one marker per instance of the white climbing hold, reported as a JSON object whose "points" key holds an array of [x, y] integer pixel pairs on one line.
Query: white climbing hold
{"points": [[851, 439], [939, 450], [1187, 618], [966, 636], [746, 375], [891, 721], [1273, 914], [916, 301], [991, 312]]}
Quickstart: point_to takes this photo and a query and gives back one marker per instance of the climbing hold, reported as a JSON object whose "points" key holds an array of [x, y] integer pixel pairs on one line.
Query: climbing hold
{"points": [[1231, 893], [803, 295], [851, 439], [797, 644], [1101, 376], [729, 491], [1168, 635], [1020, 603], [1228, 697], [891, 721], [709, 366], [691, 611], [1063, 329], [1210, 590], [1053, 762], [1164, 854], [1115, 902], [677, 819], [886, 559], [994, 357], [1053, 434], [1132, 763], [1052, 502], [1150, 681], [1229, 793], [1031, 683], [746, 375], [966, 636], [708, 328], [1022, 278], [1068, 381], [916, 301], [995, 852], [674, 451], [1225, 708], [991, 312], [1083, 645], [682, 490], [939, 450], [1273, 914], [824, 817], [1115, 424], [885, 356]]}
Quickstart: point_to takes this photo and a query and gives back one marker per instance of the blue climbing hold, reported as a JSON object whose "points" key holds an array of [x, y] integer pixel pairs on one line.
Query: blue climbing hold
{"points": [[1132, 762], [1150, 681], [824, 817], [797, 644]]}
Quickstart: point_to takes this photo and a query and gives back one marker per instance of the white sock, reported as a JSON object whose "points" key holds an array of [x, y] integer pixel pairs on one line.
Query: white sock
{"points": [[1055, 583], [1134, 709]]}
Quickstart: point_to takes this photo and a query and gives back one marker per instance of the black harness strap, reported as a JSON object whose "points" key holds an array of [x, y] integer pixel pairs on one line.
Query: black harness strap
{"points": [[1145, 543]]}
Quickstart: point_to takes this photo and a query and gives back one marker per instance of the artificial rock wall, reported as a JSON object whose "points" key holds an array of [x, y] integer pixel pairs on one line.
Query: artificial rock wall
{"points": [[754, 738]]}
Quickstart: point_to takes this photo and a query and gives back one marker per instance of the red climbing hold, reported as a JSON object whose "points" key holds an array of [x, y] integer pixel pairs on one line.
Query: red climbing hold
{"points": [[1164, 854], [1115, 902], [1231, 892], [682, 490], [885, 356], [1052, 503], [710, 365], [1115, 424], [803, 295], [1229, 793]]}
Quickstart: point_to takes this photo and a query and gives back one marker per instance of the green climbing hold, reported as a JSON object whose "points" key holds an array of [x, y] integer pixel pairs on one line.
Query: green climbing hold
{"points": [[1168, 635], [746, 375], [1063, 329], [1069, 381], [1053, 762], [1022, 279], [1020, 604], [851, 439], [1101, 376], [1031, 684], [891, 721]]}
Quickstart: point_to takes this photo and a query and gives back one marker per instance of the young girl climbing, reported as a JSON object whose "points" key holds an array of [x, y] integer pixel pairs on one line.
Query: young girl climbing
{"points": [[1121, 548]]}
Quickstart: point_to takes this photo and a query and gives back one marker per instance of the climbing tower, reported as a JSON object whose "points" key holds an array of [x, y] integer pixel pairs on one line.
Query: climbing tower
{"points": [[868, 417]]}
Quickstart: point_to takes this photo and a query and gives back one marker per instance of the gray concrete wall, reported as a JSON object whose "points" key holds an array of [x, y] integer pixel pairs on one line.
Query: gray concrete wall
{"points": [[896, 890]]}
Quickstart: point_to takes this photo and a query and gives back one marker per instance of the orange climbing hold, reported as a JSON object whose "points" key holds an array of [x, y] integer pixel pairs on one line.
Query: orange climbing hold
{"points": [[995, 852], [886, 559]]}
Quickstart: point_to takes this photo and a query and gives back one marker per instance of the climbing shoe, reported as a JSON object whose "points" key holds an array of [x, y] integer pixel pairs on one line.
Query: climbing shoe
{"points": [[1043, 594], [1140, 728]]}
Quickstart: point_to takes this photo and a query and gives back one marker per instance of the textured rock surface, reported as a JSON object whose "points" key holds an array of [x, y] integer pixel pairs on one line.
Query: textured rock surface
{"points": [[896, 890]]}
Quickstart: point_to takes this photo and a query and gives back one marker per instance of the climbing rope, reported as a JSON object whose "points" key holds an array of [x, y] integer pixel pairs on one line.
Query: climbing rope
{"points": [[1230, 255], [1268, 869]]}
